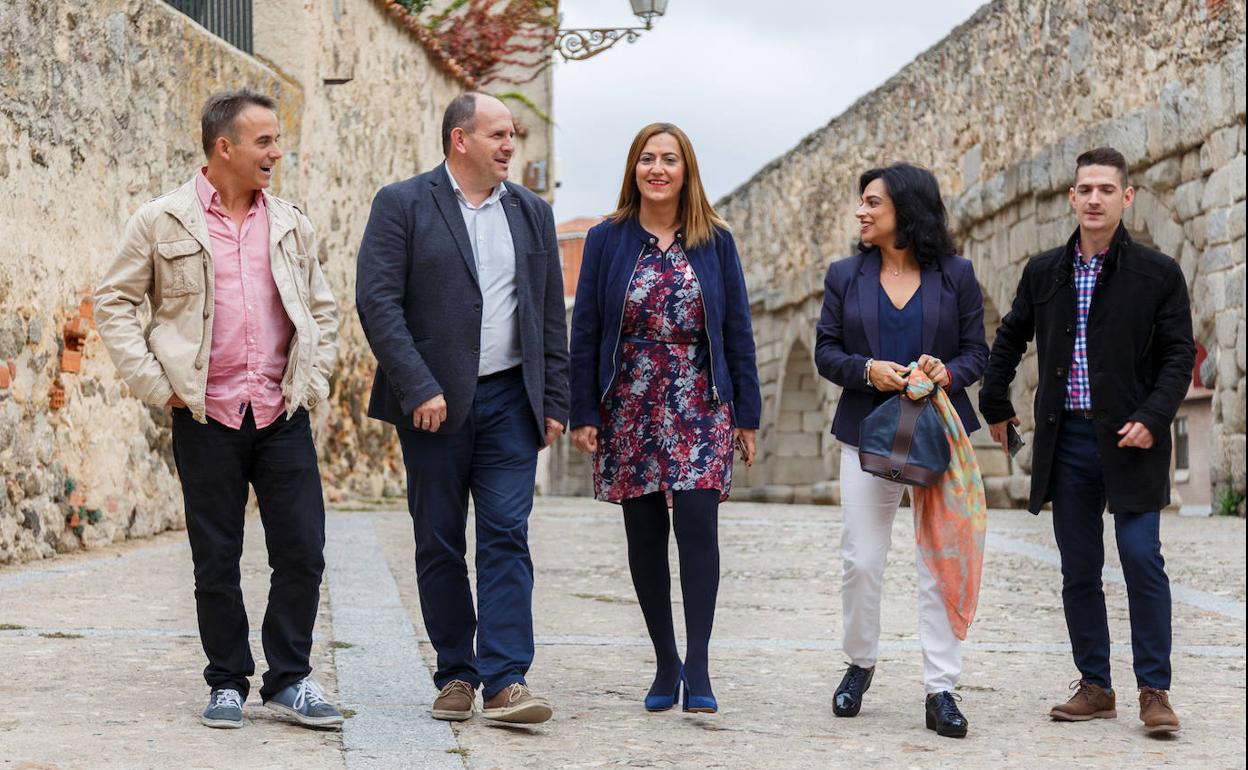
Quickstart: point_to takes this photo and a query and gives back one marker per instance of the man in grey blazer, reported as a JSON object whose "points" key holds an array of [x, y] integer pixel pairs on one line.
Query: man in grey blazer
{"points": [[460, 293]]}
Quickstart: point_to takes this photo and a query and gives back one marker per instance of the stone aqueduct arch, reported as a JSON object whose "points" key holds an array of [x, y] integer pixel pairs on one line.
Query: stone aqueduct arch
{"points": [[999, 111]]}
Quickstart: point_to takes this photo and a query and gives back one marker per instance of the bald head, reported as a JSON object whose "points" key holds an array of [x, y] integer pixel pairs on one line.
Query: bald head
{"points": [[463, 111]]}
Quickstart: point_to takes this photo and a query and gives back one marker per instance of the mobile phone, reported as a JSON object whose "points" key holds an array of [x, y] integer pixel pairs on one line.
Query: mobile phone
{"points": [[1013, 440]]}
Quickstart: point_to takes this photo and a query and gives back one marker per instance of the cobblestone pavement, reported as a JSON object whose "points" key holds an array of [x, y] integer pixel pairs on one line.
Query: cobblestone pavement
{"points": [[101, 658]]}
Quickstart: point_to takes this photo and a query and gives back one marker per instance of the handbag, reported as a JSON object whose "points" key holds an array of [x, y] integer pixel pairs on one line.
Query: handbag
{"points": [[904, 440]]}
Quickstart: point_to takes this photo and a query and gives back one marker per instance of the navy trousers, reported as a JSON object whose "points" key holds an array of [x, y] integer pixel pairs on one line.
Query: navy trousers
{"points": [[215, 465], [1078, 519], [493, 457]]}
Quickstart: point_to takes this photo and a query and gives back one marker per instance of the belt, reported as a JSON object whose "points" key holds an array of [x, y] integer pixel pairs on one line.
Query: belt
{"points": [[499, 375], [1085, 414]]}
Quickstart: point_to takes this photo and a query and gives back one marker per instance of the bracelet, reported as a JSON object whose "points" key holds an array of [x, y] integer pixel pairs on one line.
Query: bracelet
{"points": [[866, 373]]}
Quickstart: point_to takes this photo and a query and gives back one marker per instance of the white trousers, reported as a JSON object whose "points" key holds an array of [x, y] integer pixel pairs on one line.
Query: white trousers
{"points": [[869, 504]]}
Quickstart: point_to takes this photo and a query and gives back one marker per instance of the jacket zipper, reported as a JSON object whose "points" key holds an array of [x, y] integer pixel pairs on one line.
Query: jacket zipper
{"points": [[619, 329], [209, 297], [706, 318]]}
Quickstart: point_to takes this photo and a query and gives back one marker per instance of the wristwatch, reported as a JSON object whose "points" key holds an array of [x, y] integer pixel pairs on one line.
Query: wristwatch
{"points": [[866, 373]]}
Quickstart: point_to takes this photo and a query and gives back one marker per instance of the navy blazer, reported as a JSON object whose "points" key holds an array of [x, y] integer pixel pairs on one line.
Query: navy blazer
{"points": [[607, 266], [419, 301], [848, 333]]}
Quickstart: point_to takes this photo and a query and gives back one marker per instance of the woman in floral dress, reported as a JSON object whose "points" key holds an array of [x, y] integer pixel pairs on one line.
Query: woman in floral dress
{"points": [[664, 385]]}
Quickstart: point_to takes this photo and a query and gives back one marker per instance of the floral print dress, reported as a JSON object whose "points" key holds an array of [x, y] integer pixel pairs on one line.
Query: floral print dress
{"points": [[661, 430]]}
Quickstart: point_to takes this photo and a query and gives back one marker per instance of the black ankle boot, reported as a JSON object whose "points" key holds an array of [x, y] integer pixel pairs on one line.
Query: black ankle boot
{"points": [[943, 715], [848, 699]]}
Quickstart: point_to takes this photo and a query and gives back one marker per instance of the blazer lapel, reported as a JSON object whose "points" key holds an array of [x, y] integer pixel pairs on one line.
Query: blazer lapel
{"points": [[929, 286], [520, 237], [869, 299], [444, 197]]}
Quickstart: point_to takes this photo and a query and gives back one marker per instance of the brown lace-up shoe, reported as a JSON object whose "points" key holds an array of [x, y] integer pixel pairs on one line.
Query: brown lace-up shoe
{"points": [[1156, 713], [515, 704], [454, 702], [1090, 701]]}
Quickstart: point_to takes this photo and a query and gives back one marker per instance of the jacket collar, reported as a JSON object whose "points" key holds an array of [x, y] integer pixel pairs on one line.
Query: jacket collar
{"points": [[185, 206], [1118, 245]]}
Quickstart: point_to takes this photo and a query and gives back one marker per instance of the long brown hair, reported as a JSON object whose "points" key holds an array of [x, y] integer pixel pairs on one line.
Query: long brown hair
{"points": [[698, 219]]}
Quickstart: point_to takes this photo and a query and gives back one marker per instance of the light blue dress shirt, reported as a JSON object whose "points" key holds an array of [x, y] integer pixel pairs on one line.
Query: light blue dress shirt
{"points": [[495, 256]]}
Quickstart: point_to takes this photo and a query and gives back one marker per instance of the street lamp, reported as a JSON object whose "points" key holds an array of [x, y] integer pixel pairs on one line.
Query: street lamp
{"points": [[578, 44]]}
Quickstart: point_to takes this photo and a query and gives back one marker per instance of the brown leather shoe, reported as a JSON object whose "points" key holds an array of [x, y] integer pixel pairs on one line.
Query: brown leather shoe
{"points": [[1156, 712], [1090, 701], [516, 705], [454, 702]]}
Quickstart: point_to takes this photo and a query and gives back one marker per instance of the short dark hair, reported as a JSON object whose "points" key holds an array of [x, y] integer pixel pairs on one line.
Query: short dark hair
{"points": [[1104, 156], [922, 221], [460, 113], [221, 110]]}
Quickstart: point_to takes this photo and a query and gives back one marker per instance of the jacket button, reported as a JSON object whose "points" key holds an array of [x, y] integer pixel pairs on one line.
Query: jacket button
{"points": [[1051, 419], [1070, 330], [476, 348], [207, 313], [1061, 371], [653, 240], [476, 306]]}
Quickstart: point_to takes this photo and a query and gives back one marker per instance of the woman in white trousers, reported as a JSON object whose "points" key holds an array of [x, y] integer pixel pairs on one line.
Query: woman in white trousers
{"points": [[904, 298]]}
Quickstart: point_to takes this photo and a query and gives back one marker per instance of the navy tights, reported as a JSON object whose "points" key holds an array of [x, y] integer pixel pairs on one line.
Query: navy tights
{"points": [[695, 517]]}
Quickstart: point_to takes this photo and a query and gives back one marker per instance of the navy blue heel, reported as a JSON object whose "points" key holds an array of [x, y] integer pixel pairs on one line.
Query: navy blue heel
{"points": [[665, 702], [698, 704]]}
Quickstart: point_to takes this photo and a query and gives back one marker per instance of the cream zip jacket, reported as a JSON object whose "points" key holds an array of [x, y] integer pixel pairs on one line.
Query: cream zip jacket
{"points": [[166, 257]]}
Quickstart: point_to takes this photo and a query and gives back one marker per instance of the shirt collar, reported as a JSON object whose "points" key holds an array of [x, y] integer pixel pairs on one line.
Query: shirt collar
{"points": [[1092, 263], [209, 198], [498, 192]]}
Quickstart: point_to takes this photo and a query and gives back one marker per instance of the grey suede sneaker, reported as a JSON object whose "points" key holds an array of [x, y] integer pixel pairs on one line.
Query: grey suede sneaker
{"points": [[304, 701], [225, 709]]}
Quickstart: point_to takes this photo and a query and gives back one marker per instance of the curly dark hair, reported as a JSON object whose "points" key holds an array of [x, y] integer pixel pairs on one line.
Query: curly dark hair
{"points": [[922, 222]]}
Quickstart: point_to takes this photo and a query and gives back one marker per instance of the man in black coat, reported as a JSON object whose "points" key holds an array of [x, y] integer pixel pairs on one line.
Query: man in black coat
{"points": [[1113, 331], [460, 293]]}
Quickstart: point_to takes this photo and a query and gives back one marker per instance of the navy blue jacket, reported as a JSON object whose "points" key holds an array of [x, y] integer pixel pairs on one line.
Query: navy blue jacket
{"points": [[610, 257], [848, 333], [419, 302]]}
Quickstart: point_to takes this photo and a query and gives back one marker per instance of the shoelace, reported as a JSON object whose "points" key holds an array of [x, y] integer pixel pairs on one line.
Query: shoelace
{"points": [[1154, 695], [308, 693], [855, 677], [514, 691], [452, 686], [947, 706], [223, 698]]}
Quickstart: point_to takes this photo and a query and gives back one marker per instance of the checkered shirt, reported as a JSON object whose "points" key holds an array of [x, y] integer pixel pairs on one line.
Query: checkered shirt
{"points": [[1078, 389]]}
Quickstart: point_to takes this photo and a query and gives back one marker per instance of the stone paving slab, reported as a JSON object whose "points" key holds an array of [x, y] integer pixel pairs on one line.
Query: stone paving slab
{"points": [[776, 654], [105, 671], [128, 693]]}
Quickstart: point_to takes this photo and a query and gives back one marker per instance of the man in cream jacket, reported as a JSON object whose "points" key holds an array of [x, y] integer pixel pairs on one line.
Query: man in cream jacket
{"points": [[242, 339]]}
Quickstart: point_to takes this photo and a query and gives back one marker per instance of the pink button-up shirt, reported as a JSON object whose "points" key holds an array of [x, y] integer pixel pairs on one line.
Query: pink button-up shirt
{"points": [[251, 332]]}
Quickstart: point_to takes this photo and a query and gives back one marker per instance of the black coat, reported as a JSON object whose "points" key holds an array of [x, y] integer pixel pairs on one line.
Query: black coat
{"points": [[1140, 356], [419, 301]]}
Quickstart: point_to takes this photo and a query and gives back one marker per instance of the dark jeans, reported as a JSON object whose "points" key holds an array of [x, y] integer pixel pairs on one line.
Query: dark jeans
{"points": [[215, 464], [1078, 519], [493, 456]]}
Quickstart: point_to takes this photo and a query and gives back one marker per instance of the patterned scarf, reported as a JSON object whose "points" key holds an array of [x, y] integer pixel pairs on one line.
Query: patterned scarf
{"points": [[951, 517]]}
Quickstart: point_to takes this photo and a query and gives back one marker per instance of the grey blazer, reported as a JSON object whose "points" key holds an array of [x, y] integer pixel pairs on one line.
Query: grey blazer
{"points": [[419, 302]]}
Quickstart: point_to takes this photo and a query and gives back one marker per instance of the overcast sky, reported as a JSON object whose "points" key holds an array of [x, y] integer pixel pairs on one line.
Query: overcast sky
{"points": [[746, 79]]}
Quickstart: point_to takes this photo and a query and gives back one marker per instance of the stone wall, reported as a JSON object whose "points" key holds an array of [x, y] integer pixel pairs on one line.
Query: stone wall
{"points": [[998, 110], [99, 112]]}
